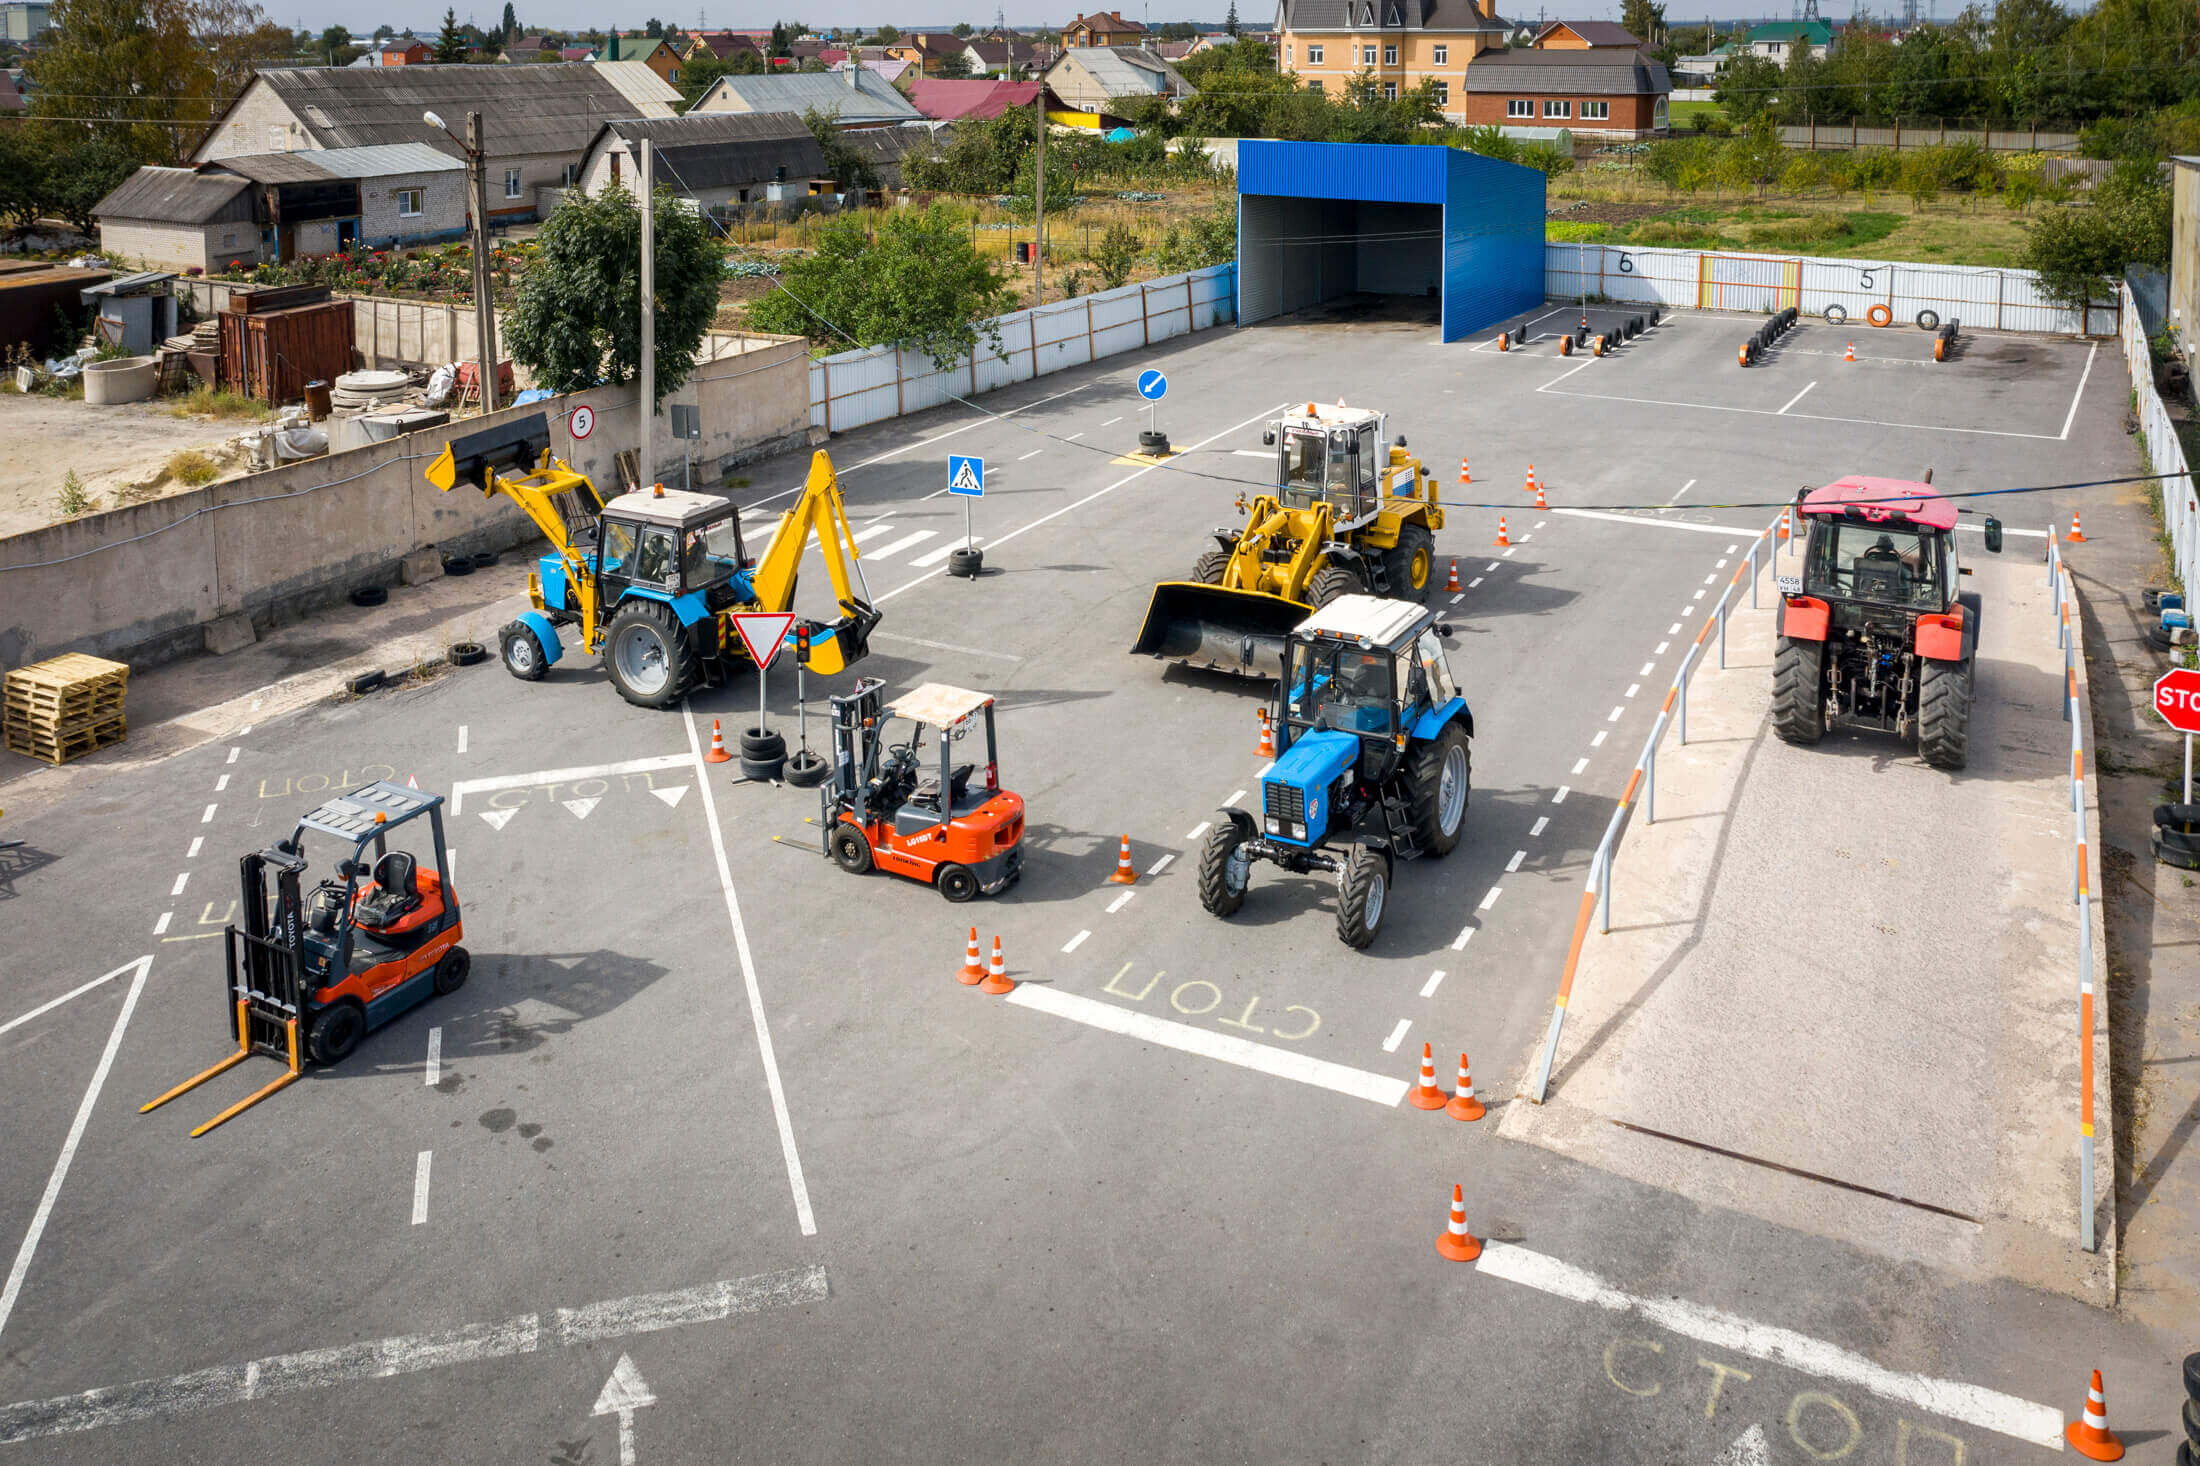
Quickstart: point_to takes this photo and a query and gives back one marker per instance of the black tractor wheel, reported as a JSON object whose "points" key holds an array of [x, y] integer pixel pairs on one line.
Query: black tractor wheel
{"points": [[1208, 568], [1363, 896], [763, 754], [1944, 714], [1798, 691], [1225, 870], [850, 850], [450, 973], [1332, 581], [805, 769], [522, 652], [650, 657], [334, 1032], [956, 882], [1411, 563], [1436, 778]]}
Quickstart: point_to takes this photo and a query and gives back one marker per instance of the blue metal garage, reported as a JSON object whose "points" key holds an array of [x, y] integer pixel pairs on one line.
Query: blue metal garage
{"points": [[1321, 220]]}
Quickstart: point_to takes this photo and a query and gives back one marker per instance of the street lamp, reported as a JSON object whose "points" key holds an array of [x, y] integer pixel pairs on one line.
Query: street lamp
{"points": [[477, 192]]}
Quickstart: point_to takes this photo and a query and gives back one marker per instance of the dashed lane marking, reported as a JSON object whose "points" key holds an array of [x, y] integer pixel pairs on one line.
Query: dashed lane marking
{"points": [[1713, 578], [1075, 942], [1673, 630], [1196, 831], [1397, 1036], [1034, 453], [1073, 437], [1659, 652], [208, 817], [421, 1169], [232, 755], [181, 880], [1489, 567], [933, 557], [1579, 765], [1428, 989], [1473, 583], [1466, 935], [1111, 422], [1509, 553], [1616, 714], [1598, 741], [1560, 796], [1536, 829], [1455, 600], [1160, 865], [1647, 669], [1491, 899], [462, 738], [435, 1056], [1514, 863], [1633, 688], [1120, 902], [158, 927], [198, 842], [1233, 799], [221, 784]]}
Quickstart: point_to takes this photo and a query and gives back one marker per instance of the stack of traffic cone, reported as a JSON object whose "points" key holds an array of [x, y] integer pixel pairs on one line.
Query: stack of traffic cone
{"points": [[1452, 584], [1464, 476], [1425, 1095], [1457, 1243], [1464, 1106], [1124, 875], [2089, 1435], [996, 977], [1267, 747], [2077, 530], [973, 968], [717, 754], [1850, 354], [1501, 531]]}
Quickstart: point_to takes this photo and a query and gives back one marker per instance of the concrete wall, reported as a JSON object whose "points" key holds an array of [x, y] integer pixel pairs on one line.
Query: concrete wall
{"points": [[442, 205], [141, 583], [159, 246], [259, 123]]}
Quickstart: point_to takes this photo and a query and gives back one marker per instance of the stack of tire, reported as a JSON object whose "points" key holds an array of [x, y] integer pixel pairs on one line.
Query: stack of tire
{"points": [[1944, 338], [2188, 1450], [2174, 624], [1772, 330]]}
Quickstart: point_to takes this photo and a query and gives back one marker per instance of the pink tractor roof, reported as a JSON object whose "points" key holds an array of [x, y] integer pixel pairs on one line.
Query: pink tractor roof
{"points": [[1883, 500]]}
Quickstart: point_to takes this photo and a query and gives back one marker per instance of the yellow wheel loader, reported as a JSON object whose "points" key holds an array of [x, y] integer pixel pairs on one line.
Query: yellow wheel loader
{"points": [[1349, 516], [654, 577]]}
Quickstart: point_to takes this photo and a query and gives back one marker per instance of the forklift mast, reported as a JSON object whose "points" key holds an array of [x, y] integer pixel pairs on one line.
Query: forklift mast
{"points": [[855, 727], [266, 959]]}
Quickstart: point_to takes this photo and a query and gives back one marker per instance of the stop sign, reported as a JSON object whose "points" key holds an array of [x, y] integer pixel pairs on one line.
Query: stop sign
{"points": [[2177, 699]]}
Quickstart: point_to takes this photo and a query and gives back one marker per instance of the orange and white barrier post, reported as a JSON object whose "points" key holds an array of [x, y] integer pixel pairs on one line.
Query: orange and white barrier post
{"points": [[1452, 583], [1457, 1243], [1464, 476], [973, 968], [1124, 875], [1267, 748], [1540, 501], [1464, 1106], [1850, 354]]}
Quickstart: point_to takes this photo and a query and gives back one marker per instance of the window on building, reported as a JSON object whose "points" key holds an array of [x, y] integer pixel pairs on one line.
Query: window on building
{"points": [[1517, 107], [229, 240], [1313, 83], [1558, 109], [1443, 93], [274, 137], [511, 183], [1287, 56], [572, 174], [1440, 56], [1595, 111], [1390, 55], [1367, 55], [408, 203], [1390, 91], [1313, 55]]}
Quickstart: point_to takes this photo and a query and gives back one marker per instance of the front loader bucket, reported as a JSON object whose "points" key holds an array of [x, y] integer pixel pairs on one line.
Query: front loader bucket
{"points": [[473, 458], [1210, 626]]}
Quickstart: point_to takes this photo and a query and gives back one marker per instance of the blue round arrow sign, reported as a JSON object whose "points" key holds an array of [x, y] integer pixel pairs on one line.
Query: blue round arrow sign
{"points": [[1152, 386]]}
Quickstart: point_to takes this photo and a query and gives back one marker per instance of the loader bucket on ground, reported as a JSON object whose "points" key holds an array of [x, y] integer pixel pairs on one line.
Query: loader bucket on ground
{"points": [[1210, 626]]}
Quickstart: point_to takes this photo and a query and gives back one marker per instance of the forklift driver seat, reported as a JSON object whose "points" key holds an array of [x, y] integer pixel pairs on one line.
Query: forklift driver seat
{"points": [[396, 890]]}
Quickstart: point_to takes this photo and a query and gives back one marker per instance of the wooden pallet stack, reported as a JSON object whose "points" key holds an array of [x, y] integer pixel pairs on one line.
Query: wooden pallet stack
{"points": [[64, 708]]}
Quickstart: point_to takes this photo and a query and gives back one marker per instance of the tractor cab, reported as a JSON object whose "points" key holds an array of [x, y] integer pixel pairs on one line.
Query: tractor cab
{"points": [[1332, 456], [312, 970], [671, 543]]}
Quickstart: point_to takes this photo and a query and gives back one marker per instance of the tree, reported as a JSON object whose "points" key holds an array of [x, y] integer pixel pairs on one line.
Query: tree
{"points": [[655, 30], [1747, 87], [779, 39], [1230, 22], [384, 32], [1117, 254], [450, 42], [841, 159], [146, 75], [510, 27], [1644, 20], [577, 322], [335, 38], [955, 65], [746, 63], [698, 72], [962, 30], [918, 283], [886, 35], [2079, 252]]}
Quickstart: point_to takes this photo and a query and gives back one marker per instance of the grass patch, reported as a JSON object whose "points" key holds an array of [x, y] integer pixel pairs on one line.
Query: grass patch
{"points": [[1746, 226], [206, 401], [1563, 232], [192, 468], [1683, 115]]}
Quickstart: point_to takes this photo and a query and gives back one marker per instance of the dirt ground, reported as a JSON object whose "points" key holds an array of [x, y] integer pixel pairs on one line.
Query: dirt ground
{"points": [[120, 453]]}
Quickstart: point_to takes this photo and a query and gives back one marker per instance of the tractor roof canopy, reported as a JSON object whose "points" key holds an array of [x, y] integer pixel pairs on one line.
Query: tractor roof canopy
{"points": [[937, 705], [1338, 417], [669, 506], [1367, 621], [1882, 501]]}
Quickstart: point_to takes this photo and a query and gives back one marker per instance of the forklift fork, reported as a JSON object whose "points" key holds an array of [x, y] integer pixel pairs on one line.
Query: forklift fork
{"points": [[244, 1052]]}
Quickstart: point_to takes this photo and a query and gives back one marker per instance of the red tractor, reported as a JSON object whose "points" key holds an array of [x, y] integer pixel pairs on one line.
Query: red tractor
{"points": [[1873, 629]]}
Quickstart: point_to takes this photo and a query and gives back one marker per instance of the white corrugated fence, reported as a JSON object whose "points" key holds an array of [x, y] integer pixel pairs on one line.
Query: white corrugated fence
{"points": [[2165, 453]]}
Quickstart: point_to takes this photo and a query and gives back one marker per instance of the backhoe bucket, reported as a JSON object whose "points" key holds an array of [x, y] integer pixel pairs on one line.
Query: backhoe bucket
{"points": [[1210, 626], [838, 646]]}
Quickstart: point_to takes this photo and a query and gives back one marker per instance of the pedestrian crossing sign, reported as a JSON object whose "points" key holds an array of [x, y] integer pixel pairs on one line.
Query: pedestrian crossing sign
{"points": [[966, 476]]}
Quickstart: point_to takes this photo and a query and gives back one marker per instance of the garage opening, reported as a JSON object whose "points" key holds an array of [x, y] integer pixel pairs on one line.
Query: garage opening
{"points": [[1312, 251]]}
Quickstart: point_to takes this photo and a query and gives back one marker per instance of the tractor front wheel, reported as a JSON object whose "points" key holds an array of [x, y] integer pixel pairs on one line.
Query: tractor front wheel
{"points": [[1944, 714], [651, 660], [1208, 568], [1411, 563], [522, 652], [1363, 895], [334, 1032], [1225, 870], [1799, 690], [1332, 581], [1437, 775]]}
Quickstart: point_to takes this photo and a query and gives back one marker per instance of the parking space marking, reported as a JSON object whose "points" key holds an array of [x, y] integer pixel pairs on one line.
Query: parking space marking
{"points": [[1436, 978], [1381, 1089], [1579, 765], [1869, 422], [2083, 377], [1075, 942], [1491, 899], [1514, 863], [1160, 865], [2041, 1425], [1397, 1036], [933, 557], [1120, 902], [1795, 399], [1196, 831], [420, 1186], [76, 992], [1684, 488], [1536, 829]]}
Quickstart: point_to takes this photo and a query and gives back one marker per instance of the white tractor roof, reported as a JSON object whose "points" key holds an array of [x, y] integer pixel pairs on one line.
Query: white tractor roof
{"points": [[667, 506], [937, 705], [1337, 415], [1375, 620]]}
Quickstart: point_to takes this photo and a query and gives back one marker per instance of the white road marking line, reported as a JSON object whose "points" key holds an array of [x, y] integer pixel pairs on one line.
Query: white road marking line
{"points": [[1673, 630], [313, 1369], [1455, 600], [1428, 989], [1489, 567], [1713, 578], [1656, 523], [1509, 553], [420, 1186], [450, 862], [1562, 376], [198, 842], [1397, 1036], [1034, 453], [1075, 942], [181, 880], [1491, 899], [1523, 540], [1869, 422], [1514, 863], [1698, 595], [14, 1286], [2083, 378], [1579, 765], [1160, 865], [1540, 523], [1723, 559], [1381, 1089], [1120, 902], [1598, 741], [464, 787], [435, 1056], [247, 728], [1111, 422], [1730, 549], [946, 646], [77, 992], [877, 528], [158, 927], [1684, 488], [1233, 799], [2041, 1425], [208, 817], [221, 784], [232, 756], [1537, 828], [803, 1214], [1459, 943], [1659, 652], [462, 738], [1647, 669], [1795, 399], [905, 542], [1253, 453], [1560, 796], [1196, 831], [1633, 688], [1616, 714], [1073, 437]]}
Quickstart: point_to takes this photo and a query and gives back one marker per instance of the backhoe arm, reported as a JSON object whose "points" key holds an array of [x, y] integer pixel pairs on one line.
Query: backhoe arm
{"points": [[820, 510]]}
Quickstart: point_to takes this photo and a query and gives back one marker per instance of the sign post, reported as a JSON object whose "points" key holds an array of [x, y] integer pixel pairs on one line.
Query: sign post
{"points": [[762, 634], [687, 426], [1153, 386], [2177, 699], [966, 480]]}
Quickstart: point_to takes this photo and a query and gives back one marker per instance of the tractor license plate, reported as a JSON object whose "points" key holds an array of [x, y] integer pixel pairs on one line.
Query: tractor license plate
{"points": [[1790, 585]]}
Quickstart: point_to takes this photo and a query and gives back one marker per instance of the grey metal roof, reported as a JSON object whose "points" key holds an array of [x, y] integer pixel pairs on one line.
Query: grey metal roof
{"points": [[386, 161], [870, 99], [135, 284], [650, 93], [1126, 71], [171, 196], [887, 148], [274, 168], [1461, 16], [723, 149], [1594, 73]]}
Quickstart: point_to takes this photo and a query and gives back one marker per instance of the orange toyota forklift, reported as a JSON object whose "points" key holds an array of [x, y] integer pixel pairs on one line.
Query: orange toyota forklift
{"points": [[311, 972], [880, 808]]}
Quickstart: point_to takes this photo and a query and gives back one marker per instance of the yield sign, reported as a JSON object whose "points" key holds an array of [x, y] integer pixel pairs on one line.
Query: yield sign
{"points": [[763, 633]]}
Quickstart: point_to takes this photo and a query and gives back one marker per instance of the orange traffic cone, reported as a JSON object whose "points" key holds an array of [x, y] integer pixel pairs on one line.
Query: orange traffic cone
{"points": [[973, 968], [1785, 531], [1457, 1243], [1540, 501], [1267, 747], [717, 754], [996, 977], [2089, 1435], [1425, 1095], [1464, 1106], [1464, 476], [2077, 531], [1124, 875], [1531, 480], [1452, 584], [1501, 540], [1850, 354]]}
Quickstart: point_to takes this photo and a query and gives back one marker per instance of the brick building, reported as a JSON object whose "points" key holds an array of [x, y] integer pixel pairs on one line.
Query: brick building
{"points": [[1400, 43], [1614, 92]]}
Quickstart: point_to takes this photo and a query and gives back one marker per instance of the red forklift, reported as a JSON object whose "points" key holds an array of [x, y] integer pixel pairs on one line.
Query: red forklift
{"points": [[310, 972], [882, 809]]}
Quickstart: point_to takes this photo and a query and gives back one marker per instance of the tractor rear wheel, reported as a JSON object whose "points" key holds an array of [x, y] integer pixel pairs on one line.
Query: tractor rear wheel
{"points": [[334, 1032], [1332, 581], [651, 660], [522, 652], [1411, 563], [1363, 895], [1798, 690], [1208, 568], [1225, 870], [1944, 714], [850, 850], [1436, 778]]}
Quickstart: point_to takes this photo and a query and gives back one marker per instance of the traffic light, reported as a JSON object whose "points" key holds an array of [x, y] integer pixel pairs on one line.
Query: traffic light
{"points": [[801, 644]]}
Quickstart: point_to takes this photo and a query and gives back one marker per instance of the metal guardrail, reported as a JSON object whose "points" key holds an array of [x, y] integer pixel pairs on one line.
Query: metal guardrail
{"points": [[2066, 637]]}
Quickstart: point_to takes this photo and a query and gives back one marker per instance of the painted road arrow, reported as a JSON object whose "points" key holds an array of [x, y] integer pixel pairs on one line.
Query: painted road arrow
{"points": [[1749, 1448], [626, 1392]]}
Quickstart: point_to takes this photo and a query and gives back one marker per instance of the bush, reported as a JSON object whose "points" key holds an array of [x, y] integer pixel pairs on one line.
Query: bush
{"points": [[1209, 239], [1117, 254], [918, 281], [191, 468], [73, 499]]}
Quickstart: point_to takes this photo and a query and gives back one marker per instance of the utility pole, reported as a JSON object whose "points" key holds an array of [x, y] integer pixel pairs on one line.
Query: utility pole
{"points": [[1039, 206], [645, 472], [485, 311]]}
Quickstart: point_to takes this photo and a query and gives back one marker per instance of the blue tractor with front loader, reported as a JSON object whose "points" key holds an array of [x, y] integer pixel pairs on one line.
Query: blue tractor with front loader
{"points": [[1373, 762]]}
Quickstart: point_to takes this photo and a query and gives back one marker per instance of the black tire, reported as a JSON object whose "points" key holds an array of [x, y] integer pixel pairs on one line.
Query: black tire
{"points": [[1332, 581], [1223, 878], [334, 1032], [1208, 568], [370, 595], [483, 559], [458, 564], [1411, 563], [1798, 691], [1423, 789], [522, 653], [1149, 442], [851, 852], [2190, 1416], [2192, 1375], [763, 754], [365, 682], [450, 973], [1655, 312], [1928, 320], [805, 770], [1836, 314], [1944, 714], [1363, 897], [965, 562], [467, 653], [955, 882], [649, 655]]}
